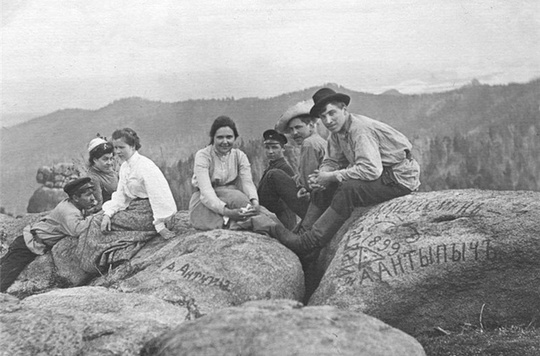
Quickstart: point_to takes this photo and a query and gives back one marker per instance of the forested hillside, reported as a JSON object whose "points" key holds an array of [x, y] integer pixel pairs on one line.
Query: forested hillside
{"points": [[476, 136]]}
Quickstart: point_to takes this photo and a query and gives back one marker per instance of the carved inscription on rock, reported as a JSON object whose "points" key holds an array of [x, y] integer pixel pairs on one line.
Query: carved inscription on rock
{"points": [[383, 250], [188, 273]]}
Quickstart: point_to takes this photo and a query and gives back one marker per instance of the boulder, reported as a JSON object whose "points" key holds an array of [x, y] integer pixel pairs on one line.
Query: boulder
{"points": [[440, 259], [45, 199], [38, 331], [85, 321], [203, 270], [211, 270], [52, 180], [283, 327]]}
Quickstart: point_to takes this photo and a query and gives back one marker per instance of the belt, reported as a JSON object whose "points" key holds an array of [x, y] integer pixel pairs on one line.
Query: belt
{"points": [[408, 154]]}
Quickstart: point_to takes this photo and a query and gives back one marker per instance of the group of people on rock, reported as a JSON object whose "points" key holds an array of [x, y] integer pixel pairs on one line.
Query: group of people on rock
{"points": [[364, 162]]}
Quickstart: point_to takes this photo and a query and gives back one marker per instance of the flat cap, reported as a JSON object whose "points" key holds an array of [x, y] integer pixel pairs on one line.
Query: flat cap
{"points": [[77, 185], [272, 136]]}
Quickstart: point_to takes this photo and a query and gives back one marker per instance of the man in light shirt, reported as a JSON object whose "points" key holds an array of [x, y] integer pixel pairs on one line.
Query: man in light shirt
{"points": [[300, 124], [367, 162], [69, 218]]}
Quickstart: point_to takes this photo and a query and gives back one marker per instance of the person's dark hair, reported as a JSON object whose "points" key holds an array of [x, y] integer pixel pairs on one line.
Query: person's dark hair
{"points": [[99, 151], [130, 137], [222, 121], [339, 104], [306, 119]]}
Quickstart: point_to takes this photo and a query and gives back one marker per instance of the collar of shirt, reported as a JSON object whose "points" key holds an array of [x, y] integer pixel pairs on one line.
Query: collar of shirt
{"points": [[133, 159], [220, 155], [276, 161], [344, 132]]}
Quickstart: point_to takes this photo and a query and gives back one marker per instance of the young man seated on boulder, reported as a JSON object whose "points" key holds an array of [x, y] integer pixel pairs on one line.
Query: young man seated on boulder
{"points": [[300, 124], [367, 162], [68, 218], [276, 173]]}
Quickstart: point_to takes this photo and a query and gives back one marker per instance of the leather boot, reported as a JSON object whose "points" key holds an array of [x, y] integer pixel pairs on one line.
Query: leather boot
{"points": [[312, 214], [322, 231]]}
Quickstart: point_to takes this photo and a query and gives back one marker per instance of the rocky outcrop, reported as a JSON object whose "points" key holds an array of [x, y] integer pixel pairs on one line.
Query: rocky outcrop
{"points": [[207, 270], [52, 180], [211, 270], [429, 261], [84, 321], [283, 327], [440, 259]]}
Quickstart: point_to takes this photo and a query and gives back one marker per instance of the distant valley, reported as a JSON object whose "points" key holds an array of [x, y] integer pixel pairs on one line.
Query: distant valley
{"points": [[476, 136]]}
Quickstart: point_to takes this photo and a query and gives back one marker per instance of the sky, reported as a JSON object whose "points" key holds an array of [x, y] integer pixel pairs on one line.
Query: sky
{"points": [[85, 54]]}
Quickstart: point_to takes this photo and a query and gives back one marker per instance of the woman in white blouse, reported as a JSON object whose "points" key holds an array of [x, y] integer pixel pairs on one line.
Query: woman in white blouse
{"points": [[142, 189], [222, 177]]}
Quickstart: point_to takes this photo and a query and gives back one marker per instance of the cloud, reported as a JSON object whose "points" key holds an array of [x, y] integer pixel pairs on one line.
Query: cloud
{"points": [[273, 44]]}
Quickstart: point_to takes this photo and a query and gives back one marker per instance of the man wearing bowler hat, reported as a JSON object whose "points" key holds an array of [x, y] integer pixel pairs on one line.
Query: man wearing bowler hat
{"points": [[68, 218], [367, 162], [278, 170]]}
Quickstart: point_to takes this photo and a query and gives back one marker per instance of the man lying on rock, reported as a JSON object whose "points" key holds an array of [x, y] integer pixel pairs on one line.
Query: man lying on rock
{"points": [[68, 218], [367, 162]]}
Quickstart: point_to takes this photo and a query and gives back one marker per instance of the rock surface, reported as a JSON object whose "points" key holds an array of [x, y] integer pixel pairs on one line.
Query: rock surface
{"points": [[211, 270], [85, 321], [282, 327], [203, 270], [441, 259]]}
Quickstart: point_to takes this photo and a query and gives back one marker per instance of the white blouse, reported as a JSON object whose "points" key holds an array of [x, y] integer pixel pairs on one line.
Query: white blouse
{"points": [[139, 177]]}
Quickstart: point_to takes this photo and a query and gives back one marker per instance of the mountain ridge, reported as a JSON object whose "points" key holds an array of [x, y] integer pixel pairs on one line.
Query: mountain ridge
{"points": [[171, 132]]}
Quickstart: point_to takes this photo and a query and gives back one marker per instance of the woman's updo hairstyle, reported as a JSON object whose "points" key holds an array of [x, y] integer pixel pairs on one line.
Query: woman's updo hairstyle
{"points": [[98, 147], [130, 137], [222, 121]]}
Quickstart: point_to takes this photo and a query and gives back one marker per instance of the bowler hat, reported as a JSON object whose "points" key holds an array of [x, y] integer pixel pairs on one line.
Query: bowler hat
{"points": [[324, 96], [272, 136], [77, 185], [299, 109]]}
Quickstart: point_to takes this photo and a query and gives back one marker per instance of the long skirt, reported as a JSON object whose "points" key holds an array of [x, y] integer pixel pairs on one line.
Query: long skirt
{"points": [[131, 229], [203, 218]]}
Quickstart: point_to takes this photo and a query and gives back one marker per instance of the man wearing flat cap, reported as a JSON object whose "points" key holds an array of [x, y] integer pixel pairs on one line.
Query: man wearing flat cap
{"points": [[68, 218], [367, 162], [278, 170]]}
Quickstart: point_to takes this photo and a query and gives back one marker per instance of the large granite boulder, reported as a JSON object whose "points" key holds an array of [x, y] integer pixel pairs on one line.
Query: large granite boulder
{"points": [[440, 259], [205, 270], [85, 321], [282, 327], [211, 270]]}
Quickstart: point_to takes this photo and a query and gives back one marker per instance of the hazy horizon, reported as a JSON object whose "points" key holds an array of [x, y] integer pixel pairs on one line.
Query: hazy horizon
{"points": [[77, 54]]}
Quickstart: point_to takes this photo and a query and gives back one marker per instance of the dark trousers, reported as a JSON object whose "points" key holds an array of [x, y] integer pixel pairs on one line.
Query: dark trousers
{"points": [[13, 262], [345, 196], [277, 190]]}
